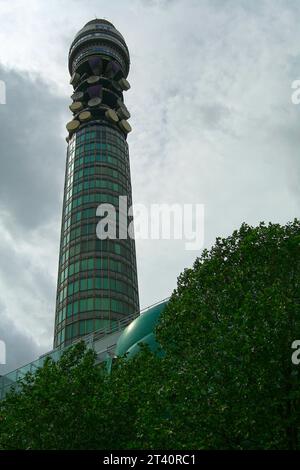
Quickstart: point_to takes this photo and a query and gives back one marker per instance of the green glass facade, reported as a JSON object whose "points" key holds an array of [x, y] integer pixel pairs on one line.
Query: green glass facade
{"points": [[97, 279]]}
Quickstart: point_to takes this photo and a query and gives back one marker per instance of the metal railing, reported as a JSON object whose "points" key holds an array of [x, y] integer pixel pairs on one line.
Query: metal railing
{"points": [[121, 325]]}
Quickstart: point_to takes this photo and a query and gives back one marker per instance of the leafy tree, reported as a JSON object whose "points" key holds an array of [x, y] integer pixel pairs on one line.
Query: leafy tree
{"points": [[227, 333], [58, 407], [225, 381]]}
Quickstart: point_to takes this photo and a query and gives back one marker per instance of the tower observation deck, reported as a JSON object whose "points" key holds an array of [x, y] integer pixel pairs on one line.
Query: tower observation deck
{"points": [[97, 278]]}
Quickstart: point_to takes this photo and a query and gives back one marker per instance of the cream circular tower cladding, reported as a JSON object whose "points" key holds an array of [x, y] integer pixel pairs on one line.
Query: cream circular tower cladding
{"points": [[97, 279]]}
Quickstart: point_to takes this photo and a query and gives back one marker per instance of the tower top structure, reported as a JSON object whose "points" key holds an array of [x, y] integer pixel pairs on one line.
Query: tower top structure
{"points": [[99, 37]]}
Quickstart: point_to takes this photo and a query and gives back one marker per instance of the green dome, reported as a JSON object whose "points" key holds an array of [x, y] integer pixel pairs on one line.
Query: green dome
{"points": [[141, 330]]}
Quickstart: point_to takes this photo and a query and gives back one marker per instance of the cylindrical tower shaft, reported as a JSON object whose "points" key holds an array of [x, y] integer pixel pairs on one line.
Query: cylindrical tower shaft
{"points": [[97, 278]]}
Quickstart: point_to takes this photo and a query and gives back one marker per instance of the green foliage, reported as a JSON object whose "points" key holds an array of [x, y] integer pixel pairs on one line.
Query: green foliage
{"points": [[226, 380], [227, 332], [55, 408]]}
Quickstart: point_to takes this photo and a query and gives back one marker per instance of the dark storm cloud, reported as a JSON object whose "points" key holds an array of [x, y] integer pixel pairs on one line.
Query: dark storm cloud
{"points": [[20, 348], [31, 150], [32, 161]]}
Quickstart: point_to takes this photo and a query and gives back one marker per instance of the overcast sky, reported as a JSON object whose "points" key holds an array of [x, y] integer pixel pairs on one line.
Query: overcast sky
{"points": [[213, 123]]}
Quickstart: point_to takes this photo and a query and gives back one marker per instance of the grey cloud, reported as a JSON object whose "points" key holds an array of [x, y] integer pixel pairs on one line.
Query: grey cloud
{"points": [[32, 150], [32, 159], [20, 347]]}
